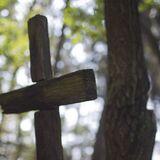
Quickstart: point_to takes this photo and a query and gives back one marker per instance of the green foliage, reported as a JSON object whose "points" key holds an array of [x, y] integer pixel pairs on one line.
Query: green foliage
{"points": [[148, 4], [81, 129], [13, 42], [85, 24], [6, 3]]}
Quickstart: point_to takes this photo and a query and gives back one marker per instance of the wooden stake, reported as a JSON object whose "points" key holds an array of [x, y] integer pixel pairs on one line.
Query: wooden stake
{"points": [[39, 48], [48, 135]]}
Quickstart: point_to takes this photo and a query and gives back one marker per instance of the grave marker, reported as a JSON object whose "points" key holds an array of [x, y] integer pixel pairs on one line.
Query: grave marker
{"points": [[47, 94]]}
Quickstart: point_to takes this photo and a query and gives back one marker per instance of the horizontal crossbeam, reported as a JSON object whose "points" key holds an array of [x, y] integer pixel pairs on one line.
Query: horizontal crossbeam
{"points": [[71, 88]]}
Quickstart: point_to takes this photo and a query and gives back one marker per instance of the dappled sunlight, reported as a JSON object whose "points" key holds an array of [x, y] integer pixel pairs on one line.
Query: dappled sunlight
{"points": [[71, 118], [87, 5], [78, 118], [79, 53], [4, 13], [90, 107], [26, 125], [22, 78], [2, 58], [78, 41], [58, 4], [156, 152]]}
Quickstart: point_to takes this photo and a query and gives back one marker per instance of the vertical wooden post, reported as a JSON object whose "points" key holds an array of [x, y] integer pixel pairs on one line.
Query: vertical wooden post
{"points": [[39, 48], [48, 135], [47, 123]]}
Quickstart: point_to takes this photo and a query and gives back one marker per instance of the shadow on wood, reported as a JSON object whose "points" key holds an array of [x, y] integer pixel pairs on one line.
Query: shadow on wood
{"points": [[71, 88]]}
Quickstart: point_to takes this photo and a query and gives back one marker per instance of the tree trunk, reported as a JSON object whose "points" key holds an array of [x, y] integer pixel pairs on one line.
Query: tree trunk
{"points": [[129, 127]]}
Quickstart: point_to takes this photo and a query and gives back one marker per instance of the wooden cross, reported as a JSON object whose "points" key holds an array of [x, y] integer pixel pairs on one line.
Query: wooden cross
{"points": [[47, 94]]}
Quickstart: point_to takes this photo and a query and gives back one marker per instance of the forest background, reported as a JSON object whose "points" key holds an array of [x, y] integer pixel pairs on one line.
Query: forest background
{"points": [[78, 40]]}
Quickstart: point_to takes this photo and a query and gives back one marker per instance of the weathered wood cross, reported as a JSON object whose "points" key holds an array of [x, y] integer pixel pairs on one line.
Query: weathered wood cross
{"points": [[48, 93]]}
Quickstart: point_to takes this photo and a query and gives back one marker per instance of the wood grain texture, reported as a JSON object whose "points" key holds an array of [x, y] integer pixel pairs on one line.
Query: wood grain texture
{"points": [[47, 123], [71, 88], [129, 127], [39, 48], [48, 135]]}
